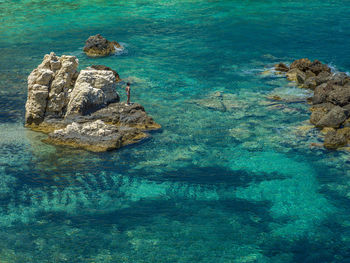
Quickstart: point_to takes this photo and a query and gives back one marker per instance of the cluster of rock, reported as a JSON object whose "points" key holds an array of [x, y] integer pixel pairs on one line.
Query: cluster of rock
{"points": [[330, 109], [98, 46], [82, 109]]}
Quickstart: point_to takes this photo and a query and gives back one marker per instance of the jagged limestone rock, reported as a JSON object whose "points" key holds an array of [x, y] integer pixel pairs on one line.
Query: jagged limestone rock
{"points": [[81, 109], [93, 90]]}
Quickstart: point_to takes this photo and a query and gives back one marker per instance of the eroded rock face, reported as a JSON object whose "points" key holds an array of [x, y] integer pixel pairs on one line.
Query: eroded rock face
{"points": [[81, 109], [93, 90], [331, 98], [98, 46], [48, 87]]}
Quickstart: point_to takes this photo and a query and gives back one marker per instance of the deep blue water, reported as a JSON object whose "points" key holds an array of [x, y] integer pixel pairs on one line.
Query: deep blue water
{"points": [[237, 182]]}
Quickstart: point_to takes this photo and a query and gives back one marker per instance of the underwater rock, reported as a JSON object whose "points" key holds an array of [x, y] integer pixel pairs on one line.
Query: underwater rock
{"points": [[221, 101], [98, 46], [82, 109]]}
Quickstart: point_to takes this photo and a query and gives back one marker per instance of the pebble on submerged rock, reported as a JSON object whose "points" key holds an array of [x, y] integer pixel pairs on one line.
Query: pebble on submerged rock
{"points": [[98, 46]]}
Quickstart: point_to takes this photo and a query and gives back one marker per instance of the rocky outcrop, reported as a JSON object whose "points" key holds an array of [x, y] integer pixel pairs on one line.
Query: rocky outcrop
{"points": [[82, 109], [331, 98], [48, 87], [98, 46], [96, 136], [94, 89]]}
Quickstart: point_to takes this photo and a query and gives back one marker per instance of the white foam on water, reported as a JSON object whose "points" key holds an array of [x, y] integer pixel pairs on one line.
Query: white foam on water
{"points": [[122, 50]]}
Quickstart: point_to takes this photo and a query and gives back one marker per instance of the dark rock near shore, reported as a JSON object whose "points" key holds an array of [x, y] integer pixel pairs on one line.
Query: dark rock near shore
{"points": [[82, 109], [334, 139], [98, 46], [301, 64], [331, 98], [334, 118], [339, 95], [317, 67], [281, 67], [319, 111]]}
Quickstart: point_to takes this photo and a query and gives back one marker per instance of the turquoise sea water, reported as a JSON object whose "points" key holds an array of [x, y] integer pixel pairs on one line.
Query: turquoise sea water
{"points": [[227, 179]]}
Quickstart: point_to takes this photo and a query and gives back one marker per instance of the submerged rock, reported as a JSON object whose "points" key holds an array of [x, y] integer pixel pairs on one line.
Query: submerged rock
{"points": [[82, 109], [98, 46]]}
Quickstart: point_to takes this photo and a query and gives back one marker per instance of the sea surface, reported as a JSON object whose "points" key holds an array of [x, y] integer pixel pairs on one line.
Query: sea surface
{"points": [[233, 176]]}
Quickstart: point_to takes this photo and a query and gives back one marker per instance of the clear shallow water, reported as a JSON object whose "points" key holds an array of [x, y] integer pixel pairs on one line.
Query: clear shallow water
{"points": [[229, 179]]}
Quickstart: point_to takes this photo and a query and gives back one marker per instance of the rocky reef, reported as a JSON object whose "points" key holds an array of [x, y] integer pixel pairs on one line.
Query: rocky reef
{"points": [[330, 109], [82, 109], [98, 46]]}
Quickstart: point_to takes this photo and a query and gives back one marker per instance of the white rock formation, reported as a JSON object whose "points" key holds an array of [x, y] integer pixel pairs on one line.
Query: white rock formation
{"points": [[48, 87], [56, 89], [93, 89]]}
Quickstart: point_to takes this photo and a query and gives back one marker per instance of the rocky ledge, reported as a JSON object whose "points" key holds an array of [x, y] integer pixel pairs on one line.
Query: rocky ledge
{"points": [[98, 46], [82, 109], [330, 109]]}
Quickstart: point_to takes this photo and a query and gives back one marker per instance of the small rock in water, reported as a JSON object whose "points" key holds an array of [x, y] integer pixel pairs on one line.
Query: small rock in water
{"points": [[98, 46]]}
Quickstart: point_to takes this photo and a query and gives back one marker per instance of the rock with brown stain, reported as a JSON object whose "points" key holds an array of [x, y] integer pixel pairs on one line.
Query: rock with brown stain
{"points": [[98, 46]]}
